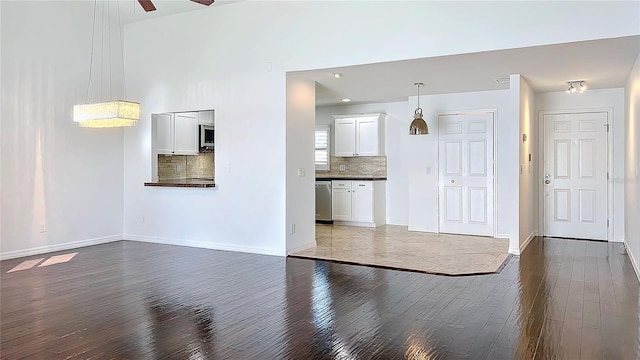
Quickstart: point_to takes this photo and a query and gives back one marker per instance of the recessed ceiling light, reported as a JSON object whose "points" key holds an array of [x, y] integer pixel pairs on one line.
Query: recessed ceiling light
{"points": [[346, 100], [502, 80], [337, 75]]}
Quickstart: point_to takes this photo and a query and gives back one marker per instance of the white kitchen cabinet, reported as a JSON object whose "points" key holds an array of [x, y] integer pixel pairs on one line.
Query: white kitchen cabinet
{"points": [[359, 135], [341, 204], [358, 203], [176, 134]]}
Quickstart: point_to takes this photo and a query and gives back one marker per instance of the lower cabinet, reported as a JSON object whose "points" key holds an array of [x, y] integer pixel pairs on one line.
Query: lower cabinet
{"points": [[358, 203]]}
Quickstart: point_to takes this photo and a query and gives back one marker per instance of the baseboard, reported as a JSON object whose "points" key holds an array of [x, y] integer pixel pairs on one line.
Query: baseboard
{"points": [[59, 247], [302, 248], [203, 245], [514, 251], [421, 229], [527, 242], [355, 223], [634, 263]]}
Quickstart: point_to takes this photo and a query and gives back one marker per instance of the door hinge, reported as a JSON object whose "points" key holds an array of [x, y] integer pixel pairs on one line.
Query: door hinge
{"points": [[607, 222], [607, 175], [607, 126]]}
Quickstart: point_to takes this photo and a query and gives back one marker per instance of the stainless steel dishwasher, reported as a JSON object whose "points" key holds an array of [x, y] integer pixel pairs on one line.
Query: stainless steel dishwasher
{"points": [[323, 201]]}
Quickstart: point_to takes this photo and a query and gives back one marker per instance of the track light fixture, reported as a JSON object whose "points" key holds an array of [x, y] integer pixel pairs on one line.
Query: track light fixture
{"points": [[579, 86]]}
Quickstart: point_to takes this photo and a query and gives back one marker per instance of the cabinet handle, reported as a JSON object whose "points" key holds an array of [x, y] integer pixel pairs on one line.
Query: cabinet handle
{"points": [[361, 185]]}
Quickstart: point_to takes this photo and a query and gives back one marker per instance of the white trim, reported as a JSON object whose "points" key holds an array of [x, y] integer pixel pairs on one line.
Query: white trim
{"points": [[527, 242], [541, 114], [421, 229], [203, 245], [59, 247], [494, 113], [302, 248], [514, 251], [634, 263]]}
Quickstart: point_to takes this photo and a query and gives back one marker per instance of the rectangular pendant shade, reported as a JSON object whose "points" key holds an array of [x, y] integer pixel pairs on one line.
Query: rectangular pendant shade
{"points": [[108, 114]]}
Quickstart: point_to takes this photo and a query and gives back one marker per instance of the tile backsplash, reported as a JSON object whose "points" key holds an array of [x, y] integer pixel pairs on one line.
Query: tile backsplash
{"points": [[375, 166], [186, 166]]}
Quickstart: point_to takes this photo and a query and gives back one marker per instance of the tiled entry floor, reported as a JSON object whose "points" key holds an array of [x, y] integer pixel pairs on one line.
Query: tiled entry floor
{"points": [[395, 247]]}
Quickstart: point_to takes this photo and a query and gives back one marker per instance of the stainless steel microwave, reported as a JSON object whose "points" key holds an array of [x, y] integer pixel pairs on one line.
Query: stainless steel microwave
{"points": [[206, 136]]}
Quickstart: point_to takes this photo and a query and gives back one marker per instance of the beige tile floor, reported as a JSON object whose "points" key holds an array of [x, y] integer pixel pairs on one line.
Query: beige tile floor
{"points": [[395, 247]]}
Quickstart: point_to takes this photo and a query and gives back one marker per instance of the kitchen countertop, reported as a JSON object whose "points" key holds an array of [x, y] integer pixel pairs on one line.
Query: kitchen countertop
{"points": [[188, 183], [360, 178]]}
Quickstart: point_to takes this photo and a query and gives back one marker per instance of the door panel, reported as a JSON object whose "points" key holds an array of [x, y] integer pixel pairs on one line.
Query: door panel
{"points": [[466, 174], [367, 140], [362, 205], [341, 204], [453, 204], [575, 175], [345, 137]]}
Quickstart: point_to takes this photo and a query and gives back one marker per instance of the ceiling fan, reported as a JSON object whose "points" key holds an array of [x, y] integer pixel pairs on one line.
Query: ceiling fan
{"points": [[147, 5]]}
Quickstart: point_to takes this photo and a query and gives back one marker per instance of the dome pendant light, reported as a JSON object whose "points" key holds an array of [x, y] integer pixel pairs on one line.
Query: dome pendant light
{"points": [[418, 125]]}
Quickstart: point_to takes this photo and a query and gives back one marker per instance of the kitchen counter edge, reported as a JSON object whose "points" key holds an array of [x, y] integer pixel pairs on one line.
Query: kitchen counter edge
{"points": [[326, 178], [186, 183]]}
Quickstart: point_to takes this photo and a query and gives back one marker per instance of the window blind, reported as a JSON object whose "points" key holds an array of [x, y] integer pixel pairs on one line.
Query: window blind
{"points": [[322, 148]]}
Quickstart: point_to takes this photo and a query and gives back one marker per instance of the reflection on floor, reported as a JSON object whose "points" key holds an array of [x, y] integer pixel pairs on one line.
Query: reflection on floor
{"points": [[562, 299], [394, 247]]}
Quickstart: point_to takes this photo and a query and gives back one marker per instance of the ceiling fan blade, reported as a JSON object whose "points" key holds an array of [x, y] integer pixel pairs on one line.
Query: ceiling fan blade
{"points": [[147, 5], [204, 2]]}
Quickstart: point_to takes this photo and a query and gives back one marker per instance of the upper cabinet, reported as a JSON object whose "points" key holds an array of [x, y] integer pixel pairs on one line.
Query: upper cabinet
{"points": [[359, 135], [176, 133]]}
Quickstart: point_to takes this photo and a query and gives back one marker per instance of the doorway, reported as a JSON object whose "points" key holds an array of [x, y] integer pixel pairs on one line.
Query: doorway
{"points": [[575, 172], [466, 173]]}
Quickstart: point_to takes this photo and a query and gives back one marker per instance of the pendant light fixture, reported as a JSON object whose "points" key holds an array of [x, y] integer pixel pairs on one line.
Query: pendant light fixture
{"points": [[111, 113], [418, 125]]}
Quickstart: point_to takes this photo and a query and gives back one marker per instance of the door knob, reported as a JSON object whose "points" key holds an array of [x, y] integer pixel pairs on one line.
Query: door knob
{"points": [[547, 181], [453, 181], [546, 176]]}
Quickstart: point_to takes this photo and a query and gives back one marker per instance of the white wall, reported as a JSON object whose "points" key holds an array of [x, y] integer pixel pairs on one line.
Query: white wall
{"points": [[423, 152], [212, 59], [612, 99], [632, 166], [53, 173], [301, 102], [528, 193], [398, 157]]}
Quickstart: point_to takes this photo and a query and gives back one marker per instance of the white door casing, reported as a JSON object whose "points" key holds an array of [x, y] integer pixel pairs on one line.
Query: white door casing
{"points": [[575, 175], [465, 162]]}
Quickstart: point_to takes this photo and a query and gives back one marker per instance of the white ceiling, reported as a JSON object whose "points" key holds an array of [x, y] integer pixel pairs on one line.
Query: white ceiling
{"points": [[131, 11], [601, 63]]}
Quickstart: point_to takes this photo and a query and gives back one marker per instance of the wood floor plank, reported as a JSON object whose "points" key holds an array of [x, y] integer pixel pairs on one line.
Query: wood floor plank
{"points": [[559, 299]]}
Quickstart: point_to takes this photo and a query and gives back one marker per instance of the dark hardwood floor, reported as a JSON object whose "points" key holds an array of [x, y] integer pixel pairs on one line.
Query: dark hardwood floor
{"points": [[561, 299]]}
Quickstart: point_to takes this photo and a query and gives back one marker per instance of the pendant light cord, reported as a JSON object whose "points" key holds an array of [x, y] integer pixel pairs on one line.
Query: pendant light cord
{"points": [[93, 33], [124, 81]]}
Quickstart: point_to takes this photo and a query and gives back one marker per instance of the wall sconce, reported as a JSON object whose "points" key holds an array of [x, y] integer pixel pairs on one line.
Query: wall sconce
{"points": [[579, 86]]}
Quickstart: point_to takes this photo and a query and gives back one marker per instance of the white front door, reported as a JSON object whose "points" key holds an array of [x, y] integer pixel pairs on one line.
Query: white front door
{"points": [[466, 174], [575, 175]]}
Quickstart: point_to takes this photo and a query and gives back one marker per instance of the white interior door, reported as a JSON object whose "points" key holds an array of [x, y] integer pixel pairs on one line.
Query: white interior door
{"points": [[575, 175], [465, 165]]}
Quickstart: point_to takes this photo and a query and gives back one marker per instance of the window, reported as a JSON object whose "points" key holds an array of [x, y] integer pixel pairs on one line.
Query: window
{"points": [[322, 148]]}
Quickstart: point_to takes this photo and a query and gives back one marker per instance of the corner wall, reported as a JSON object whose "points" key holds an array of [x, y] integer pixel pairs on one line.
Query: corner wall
{"points": [[300, 173], [55, 175], [528, 193], [632, 166]]}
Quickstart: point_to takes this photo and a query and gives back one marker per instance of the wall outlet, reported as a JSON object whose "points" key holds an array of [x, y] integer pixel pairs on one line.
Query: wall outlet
{"points": [[301, 172], [43, 228], [292, 229], [428, 170], [343, 168], [178, 168]]}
